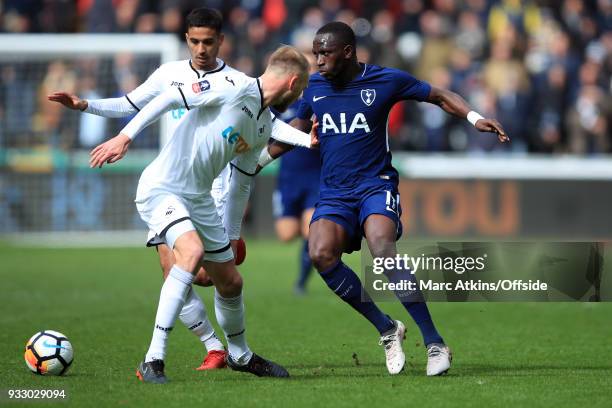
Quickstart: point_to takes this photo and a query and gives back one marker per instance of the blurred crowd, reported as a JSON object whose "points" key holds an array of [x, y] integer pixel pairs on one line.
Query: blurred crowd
{"points": [[542, 67]]}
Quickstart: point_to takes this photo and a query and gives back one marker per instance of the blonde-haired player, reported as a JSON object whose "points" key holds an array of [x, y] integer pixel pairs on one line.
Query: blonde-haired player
{"points": [[204, 38], [228, 121]]}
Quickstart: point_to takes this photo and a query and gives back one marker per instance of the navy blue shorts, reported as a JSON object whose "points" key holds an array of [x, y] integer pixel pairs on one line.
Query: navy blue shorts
{"points": [[290, 199], [350, 210]]}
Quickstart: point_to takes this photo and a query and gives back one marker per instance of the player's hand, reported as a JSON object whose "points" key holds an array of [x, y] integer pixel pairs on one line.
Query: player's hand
{"points": [[110, 151], [493, 126], [314, 136], [68, 100], [239, 249]]}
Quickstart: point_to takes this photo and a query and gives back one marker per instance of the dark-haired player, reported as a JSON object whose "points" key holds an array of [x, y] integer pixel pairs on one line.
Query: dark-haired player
{"points": [[359, 186]]}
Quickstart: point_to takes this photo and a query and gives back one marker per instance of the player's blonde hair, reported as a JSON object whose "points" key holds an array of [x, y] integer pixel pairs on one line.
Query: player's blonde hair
{"points": [[287, 59]]}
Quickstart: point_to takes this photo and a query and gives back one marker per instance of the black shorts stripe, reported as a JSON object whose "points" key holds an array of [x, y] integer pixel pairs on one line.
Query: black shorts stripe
{"points": [[218, 251], [183, 96], [242, 171], [173, 223], [132, 103]]}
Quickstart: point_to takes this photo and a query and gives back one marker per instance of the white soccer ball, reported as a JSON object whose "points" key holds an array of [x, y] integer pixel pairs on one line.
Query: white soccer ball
{"points": [[48, 353]]}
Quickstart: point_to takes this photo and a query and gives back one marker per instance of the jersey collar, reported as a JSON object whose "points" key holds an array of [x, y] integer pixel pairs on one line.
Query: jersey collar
{"points": [[365, 67], [202, 74]]}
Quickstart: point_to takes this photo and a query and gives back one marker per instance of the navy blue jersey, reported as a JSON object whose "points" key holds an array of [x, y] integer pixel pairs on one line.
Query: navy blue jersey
{"points": [[353, 123]]}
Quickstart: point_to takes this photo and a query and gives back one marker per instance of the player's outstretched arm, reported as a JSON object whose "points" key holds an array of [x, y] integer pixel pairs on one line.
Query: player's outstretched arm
{"points": [[68, 100], [108, 108], [114, 149], [110, 151], [454, 104], [114, 107], [289, 134], [285, 137]]}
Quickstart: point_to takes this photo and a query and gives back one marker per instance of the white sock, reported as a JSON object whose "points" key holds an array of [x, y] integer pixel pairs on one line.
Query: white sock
{"points": [[193, 315], [230, 315], [171, 300]]}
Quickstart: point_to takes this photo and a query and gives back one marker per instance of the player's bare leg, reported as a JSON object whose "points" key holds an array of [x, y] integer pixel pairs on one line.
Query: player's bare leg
{"points": [[287, 228], [166, 260], [306, 218], [381, 233], [305, 261], [194, 315], [327, 241], [229, 309]]}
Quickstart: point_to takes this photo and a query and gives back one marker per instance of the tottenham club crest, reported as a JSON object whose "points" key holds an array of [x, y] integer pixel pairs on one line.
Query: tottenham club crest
{"points": [[368, 96]]}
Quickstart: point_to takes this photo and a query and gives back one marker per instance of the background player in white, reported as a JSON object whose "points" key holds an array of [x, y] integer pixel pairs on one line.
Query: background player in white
{"points": [[204, 37], [173, 197]]}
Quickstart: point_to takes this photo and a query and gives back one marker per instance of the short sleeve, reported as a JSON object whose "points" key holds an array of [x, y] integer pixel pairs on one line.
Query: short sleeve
{"points": [[408, 87], [304, 110]]}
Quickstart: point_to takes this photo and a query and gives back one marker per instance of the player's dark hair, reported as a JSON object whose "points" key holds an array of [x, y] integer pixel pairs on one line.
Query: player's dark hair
{"points": [[341, 31], [205, 17]]}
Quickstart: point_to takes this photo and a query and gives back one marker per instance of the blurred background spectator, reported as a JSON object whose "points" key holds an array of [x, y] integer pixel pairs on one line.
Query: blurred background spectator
{"points": [[542, 67]]}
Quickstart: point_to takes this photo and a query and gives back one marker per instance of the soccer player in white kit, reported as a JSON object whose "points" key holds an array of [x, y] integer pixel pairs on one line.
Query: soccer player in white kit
{"points": [[228, 121], [204, 38]]}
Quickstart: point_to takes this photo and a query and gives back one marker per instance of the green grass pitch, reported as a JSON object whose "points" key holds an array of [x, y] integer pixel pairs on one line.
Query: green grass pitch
{"points": [[104, 300]]}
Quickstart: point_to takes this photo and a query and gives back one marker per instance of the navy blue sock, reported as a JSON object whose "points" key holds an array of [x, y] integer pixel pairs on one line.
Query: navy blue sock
{"points": [[414, 303], [346, 285], [305, 266]]}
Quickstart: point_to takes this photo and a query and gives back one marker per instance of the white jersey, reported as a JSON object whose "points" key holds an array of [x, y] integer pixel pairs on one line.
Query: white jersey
{"points": [[226, 123], [180, 74], [171, 75], [229, 125]]}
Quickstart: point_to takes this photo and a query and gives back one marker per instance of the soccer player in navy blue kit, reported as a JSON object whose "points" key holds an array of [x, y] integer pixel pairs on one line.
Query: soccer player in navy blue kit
{"points": [[359, 186], [297, 192]]}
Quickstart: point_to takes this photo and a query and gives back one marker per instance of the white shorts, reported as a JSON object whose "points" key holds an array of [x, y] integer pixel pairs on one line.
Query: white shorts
{"points": [[168, 216]]}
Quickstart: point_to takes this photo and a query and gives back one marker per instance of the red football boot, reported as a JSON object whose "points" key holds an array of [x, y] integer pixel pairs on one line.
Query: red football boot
{"points": [[214, 359]]}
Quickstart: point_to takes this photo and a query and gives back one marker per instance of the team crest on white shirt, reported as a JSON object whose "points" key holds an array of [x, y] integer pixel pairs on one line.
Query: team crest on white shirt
{"points": [[201, 86], [368, 96]]}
